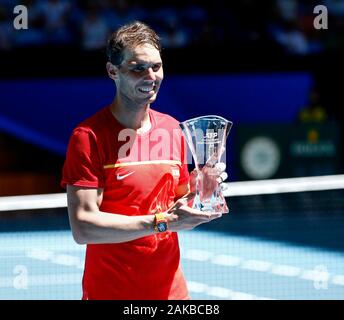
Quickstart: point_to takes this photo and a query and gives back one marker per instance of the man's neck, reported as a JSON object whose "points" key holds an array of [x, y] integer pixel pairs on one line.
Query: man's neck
{"points": [[132, 117]]}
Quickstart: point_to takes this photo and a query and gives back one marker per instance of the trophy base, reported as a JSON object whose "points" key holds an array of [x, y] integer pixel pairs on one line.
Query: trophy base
{"points": [[210, 206]]}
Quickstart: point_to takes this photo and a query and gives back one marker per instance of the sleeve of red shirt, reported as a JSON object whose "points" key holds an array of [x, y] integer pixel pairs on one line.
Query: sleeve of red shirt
{"points": [[82, 166], [184, 172]]}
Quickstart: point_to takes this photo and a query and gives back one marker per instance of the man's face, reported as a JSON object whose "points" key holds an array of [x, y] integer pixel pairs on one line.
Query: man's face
{"points": [[140, 74]]}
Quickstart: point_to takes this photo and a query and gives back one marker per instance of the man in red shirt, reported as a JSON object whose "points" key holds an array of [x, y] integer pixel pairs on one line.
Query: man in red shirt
{"points": [[125, 170]]}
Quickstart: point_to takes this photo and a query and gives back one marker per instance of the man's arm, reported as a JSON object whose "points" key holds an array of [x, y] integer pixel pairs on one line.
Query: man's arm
{"points": [[90, 225]]}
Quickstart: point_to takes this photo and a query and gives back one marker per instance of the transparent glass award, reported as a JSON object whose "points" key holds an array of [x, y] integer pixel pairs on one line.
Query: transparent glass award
{"points": [[206, 137]]}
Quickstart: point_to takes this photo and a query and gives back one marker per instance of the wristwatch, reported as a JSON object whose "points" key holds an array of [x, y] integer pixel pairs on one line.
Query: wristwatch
{"points": [[160, 223]]}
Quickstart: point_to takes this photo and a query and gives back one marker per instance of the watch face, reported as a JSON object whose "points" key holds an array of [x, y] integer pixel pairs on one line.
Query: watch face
{"points": [[162, 226]]}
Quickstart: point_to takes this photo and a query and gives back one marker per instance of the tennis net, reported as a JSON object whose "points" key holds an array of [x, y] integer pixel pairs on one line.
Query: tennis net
{"points": [[283, 239]]}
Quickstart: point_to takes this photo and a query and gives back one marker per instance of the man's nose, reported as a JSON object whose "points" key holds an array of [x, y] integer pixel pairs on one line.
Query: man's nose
{"points": [[151, 74]]}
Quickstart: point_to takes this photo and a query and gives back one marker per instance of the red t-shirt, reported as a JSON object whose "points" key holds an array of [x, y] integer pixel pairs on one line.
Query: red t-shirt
{"points": [[138, 175]]}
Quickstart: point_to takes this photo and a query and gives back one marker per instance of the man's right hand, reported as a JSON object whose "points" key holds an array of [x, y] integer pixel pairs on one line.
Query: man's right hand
{"points": [[181, 217]]}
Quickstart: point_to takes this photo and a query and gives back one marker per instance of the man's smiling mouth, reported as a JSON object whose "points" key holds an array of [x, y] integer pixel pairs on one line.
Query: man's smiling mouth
{"points": [[147, 89]]}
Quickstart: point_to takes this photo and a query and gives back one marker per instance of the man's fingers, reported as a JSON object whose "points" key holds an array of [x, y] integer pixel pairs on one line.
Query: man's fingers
{"points": [[181, 202], [222, 177], [224, 186], [193, 172], [220, 167], [208, 216], [215, 215]]}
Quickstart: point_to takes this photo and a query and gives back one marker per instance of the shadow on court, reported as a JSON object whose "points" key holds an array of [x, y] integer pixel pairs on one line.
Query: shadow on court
{"points": [[306, 218]]}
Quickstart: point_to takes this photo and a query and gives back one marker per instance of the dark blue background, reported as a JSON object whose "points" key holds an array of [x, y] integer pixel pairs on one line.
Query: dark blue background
{"points": [[44, 112]]}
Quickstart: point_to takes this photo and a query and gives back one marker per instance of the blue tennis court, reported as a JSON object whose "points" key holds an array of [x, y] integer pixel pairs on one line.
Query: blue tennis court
{"points": [[49, 265], [287, 245]]}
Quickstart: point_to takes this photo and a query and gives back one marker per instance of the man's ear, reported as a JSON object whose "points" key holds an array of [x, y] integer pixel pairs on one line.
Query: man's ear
{"points": [[112, 70]]}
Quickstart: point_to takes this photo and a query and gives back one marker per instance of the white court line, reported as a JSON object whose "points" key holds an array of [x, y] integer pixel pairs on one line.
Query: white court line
{"points": [[59, 259], [9, 256], [43, 280], [338, 279], [75, 278], [207, 256], [217, 292], [199, 255], [220, 292], [203, 256], [262, 266], [226, 260], [315, 275], [256, 265], [285, 270]]}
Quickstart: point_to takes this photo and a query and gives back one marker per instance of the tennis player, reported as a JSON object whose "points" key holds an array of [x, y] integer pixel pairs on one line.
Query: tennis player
{"points": [[127, 181]]}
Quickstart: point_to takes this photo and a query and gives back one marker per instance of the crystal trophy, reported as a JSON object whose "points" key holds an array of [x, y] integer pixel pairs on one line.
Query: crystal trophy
{"points": [[206, 137]]}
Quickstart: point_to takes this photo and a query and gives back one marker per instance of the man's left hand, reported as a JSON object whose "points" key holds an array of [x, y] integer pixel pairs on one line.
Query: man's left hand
{"points": [[211, 178]]}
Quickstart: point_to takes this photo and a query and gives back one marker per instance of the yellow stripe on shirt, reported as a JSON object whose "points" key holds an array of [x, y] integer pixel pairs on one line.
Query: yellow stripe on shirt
{"points": [[138, 163]]}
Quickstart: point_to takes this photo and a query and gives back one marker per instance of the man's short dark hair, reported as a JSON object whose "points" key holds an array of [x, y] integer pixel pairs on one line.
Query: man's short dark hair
{"points": [[130, 36]]}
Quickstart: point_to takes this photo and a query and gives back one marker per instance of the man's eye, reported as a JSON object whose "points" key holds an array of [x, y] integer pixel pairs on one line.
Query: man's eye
{"points": [[156, 67], [139, 69]]}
